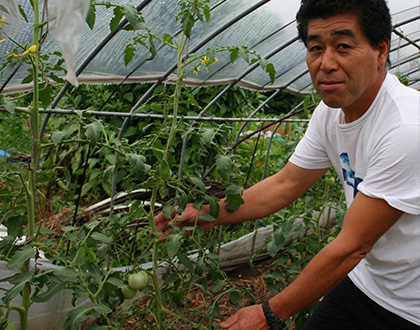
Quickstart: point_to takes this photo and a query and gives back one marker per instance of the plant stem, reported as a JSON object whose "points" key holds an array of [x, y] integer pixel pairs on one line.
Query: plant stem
{"points": [[26, 301], [34, 125], [177, 95], [35, 146], [155, 259], [155, 255]]}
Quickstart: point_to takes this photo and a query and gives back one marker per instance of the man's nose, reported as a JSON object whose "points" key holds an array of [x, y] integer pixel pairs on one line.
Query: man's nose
{"points": [[329, 61]]}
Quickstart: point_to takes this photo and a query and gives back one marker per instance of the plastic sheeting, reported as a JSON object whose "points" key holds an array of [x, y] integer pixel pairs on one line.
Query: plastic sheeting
{"points": [[68, 18], [266, 27]]}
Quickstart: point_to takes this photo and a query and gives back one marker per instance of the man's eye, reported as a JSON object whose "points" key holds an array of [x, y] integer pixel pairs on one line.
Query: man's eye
{"points": [[344, 46], [314, 49]]}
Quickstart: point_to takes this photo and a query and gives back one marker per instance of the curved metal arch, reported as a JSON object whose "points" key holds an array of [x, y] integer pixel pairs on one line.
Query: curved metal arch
{"points": [[149, 92], [203, 83]]}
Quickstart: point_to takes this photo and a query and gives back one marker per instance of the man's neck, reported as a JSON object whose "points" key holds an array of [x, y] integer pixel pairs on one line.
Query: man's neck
{"points": [[354, 112]]}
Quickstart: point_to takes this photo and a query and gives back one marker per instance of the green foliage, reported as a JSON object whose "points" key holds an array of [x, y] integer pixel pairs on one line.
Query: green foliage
{"points": [[403, 78], [282, 104], [82, 158], [190, 11], [291, 259], [14, 137]]}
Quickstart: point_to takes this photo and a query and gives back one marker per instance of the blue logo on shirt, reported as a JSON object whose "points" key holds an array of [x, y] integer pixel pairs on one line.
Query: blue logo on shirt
{"points": [[349, 175]]}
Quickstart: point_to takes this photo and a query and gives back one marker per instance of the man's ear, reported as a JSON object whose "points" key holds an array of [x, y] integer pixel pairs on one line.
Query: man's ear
{"points": [[383, 52]]}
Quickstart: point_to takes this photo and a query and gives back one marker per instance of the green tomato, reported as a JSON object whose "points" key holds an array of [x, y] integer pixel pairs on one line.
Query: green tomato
{"points": [[128, 292], [330, 181], [138, 280]]}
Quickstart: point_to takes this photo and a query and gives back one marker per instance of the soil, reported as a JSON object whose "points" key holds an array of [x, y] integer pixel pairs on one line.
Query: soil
{"points": [[245, 277]]}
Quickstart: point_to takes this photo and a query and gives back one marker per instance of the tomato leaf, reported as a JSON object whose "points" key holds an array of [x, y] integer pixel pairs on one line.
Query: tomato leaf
{"points": [[118, 15], [53, 289], [91, 16], [243, 52], [10, 106], [196, 181], [58, 136], [233, 54], [115, 282], [223, 164], [101, 237], [129, 51], [217, 286], [140, 168], [93, 131], [21, 256], [214, 205], [164, 170], [133, 17], [233, 197], [186, 262], [67, 274], [167, 211], [102, 309], [187, 24], [207, 135], [174, 243], [235, 297], [74, 318], [13, 292], [271, 71]]}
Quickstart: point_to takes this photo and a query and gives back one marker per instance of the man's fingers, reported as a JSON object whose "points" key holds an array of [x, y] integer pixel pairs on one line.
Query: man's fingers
{"points": [[161, 226], [162, 222], [229, 322]]}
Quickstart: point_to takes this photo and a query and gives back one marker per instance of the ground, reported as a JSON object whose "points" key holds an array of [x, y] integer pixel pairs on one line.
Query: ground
{"points": [[252, 278]]}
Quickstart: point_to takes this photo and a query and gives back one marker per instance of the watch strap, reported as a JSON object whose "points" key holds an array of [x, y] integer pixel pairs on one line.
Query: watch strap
{"points": [[274, 322]]}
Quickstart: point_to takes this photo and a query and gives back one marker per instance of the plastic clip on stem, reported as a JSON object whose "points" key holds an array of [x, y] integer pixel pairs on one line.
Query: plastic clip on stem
{"points": [[274, 322]]}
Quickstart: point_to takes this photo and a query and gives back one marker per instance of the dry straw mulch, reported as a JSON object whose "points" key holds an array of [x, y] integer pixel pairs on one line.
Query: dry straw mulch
{"points": [[244, 277]]}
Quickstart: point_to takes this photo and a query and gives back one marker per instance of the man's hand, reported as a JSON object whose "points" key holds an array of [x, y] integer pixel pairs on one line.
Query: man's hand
{"points": [[261, 200], [249, 318], [190, 217]]}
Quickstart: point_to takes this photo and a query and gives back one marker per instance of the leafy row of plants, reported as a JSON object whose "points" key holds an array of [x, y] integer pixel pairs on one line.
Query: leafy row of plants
{"points": [[81, 157]]}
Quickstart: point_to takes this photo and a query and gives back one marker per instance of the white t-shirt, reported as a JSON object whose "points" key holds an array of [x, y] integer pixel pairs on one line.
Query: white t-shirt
{"points": [[378, 155]]}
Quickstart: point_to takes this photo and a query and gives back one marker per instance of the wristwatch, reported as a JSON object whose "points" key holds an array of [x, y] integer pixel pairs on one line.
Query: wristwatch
{"points": [[274, 322]]}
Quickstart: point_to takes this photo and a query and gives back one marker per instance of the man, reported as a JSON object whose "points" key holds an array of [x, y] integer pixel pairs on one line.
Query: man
{"points": [[368, 129]]}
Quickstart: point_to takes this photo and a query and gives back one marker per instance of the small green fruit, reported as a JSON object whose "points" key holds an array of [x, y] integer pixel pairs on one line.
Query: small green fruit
{"points": [[138, 281], [128, 292], [330, 181]]}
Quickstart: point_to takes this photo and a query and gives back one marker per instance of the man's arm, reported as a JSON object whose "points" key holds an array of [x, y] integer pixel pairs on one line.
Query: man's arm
{"points": [[367, 219], [262, 199]]}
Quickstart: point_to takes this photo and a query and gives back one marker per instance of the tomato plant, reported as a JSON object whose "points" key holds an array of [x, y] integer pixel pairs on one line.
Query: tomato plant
{"points": [[85, 159]]}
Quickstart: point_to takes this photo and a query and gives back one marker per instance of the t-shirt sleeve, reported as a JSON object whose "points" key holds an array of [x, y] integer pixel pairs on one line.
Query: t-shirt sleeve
{"points": [[394, 170], [310, 153]]}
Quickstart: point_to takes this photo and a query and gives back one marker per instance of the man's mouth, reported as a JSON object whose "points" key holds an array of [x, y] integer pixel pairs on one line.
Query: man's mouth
{"points": [[330, 85]]}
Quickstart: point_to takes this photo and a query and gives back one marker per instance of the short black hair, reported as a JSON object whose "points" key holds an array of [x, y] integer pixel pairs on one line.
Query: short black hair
{"points": [[374, 17]]}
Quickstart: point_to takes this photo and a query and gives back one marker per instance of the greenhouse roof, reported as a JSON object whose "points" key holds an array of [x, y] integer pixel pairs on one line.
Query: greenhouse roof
{"points": [[264, 26]]}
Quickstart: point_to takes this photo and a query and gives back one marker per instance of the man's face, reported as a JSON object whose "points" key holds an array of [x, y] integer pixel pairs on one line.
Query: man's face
{"points": [[346, 70]]}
